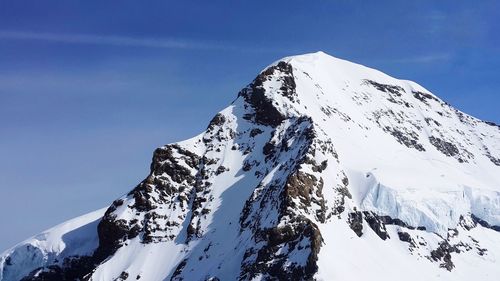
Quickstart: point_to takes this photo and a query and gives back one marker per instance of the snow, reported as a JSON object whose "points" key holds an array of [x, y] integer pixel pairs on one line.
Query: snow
{"points": [[407, 178], [370, 258], [398, 171], [74, 237]]}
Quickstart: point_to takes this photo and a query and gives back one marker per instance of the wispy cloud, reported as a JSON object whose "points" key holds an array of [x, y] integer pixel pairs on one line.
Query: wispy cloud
{"points": [[423, 59], [126, 41]]}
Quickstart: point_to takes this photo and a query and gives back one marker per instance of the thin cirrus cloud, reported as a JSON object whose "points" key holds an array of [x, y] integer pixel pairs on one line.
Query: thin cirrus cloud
{"points": [[175, 43], [425, 58], [114, 40], [422, 59]]}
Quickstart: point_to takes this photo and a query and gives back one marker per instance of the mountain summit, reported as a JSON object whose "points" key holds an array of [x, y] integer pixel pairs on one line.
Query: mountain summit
{"points": [[321, 169]]}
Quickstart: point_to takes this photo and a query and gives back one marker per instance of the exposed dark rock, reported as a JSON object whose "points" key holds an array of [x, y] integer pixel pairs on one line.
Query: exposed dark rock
{"points": [[377, 225], [376, 222], [142, 197], [443, 254], [221, 170], [409, 139], [276, 266], [246, 166], [431, 121], [123, 276], [255, 132], [466, 223], [452, 233], [394, 221], [481, 251], [484, 223], [291, 199], [342, 193], [178, 270], [345, 181], [406, 237], [265, 111], [397, 90], [218, 120], [73, 268], [288, 82], [492, 124], [355, 221], [387, 220], [445, 147], [111, 235], [302, 186], [494, 160], [424, 97], [268, 149], [319, 168], [164, 161]]}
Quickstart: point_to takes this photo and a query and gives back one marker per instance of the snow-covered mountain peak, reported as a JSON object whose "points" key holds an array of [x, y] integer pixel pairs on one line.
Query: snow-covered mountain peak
{"points": [[337, 77], [318, 158]]}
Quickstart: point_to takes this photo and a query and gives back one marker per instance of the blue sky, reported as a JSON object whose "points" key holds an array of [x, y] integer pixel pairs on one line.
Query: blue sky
{"points": [[89, 88]]}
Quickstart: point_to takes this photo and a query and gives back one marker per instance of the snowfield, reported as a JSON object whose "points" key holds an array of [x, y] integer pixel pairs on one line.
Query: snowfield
{"points": [[321, 169]]}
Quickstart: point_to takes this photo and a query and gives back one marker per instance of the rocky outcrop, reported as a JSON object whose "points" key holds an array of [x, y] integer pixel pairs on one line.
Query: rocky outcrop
{"points": [[443, 254], [272, 260], [265, 112]]}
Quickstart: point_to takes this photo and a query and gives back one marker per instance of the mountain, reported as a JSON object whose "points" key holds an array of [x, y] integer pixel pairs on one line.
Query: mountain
{"points": [[320, 169]]}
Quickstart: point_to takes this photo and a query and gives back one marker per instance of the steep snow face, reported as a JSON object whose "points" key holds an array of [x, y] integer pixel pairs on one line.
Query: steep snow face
{"points": [[318, 168]]}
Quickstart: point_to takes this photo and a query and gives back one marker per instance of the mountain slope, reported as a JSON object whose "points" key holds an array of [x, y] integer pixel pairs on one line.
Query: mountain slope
{"points": [[320, 169]]}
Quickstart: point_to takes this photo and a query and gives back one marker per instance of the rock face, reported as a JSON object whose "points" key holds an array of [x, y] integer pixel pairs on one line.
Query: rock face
{"points": [[321, 169]]}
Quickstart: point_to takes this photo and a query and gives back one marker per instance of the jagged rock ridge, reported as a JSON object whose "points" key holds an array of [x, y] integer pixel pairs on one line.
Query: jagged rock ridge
{"points": [[316, 168]]}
